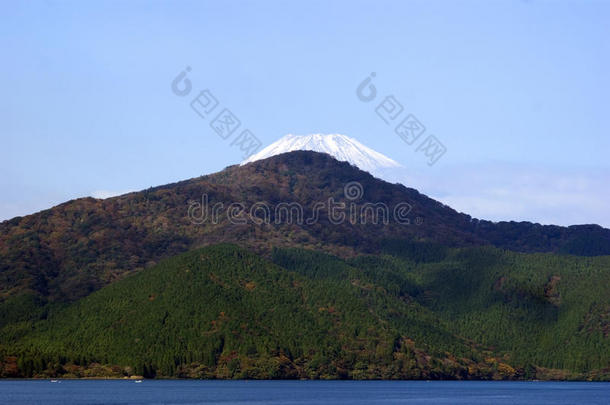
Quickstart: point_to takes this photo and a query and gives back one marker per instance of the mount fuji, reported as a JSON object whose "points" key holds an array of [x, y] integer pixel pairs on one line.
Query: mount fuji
{"points": [[341, 147]]}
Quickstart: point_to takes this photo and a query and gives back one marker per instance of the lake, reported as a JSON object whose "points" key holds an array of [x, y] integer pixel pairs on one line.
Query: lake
{"points": [[186, 392]]}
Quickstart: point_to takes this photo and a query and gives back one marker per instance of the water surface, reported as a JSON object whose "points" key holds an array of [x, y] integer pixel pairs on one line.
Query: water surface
{"points": [[186, 392]]}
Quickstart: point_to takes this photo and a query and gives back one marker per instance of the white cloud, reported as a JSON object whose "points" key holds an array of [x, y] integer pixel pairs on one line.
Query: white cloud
{"points": [[520, 193], [103, 194]]}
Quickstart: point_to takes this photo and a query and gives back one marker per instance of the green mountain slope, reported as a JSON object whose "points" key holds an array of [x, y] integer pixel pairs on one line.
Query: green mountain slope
{"points": [[537, 309], [224, 312], [67, 252]]}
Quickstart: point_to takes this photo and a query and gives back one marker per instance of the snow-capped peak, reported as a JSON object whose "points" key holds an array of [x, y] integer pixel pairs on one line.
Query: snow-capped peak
{"points": [[341, 147]]}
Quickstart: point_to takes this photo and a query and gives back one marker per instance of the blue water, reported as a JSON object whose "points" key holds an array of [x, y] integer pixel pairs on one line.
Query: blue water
{"points": [[186, 392]]}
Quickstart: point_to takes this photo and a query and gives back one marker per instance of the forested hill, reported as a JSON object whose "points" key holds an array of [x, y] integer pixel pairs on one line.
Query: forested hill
{"points": [[67, 252], [224, 312]]}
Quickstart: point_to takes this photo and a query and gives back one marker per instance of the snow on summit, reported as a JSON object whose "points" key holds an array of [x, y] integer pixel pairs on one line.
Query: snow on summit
{"points": [[341, 147]]}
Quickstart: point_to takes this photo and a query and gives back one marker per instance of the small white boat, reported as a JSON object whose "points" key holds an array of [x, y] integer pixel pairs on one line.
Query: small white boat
{"points": [[55, 381], [138, 381]]}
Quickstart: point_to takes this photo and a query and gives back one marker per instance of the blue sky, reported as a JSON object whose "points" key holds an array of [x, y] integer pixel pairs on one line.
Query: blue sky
{"points": [[517, 91]]}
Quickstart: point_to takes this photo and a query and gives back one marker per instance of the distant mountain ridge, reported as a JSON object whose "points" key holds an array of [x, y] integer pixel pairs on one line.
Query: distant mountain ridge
{"points": [[70, 250]]}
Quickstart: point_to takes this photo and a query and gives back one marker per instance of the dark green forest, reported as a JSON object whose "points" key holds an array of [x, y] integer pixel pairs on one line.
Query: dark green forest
{"points": [[414, 311], [130, 286]]}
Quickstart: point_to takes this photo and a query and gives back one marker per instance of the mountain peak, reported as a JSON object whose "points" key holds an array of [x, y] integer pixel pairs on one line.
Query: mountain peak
{"points": [[341, 147]]}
